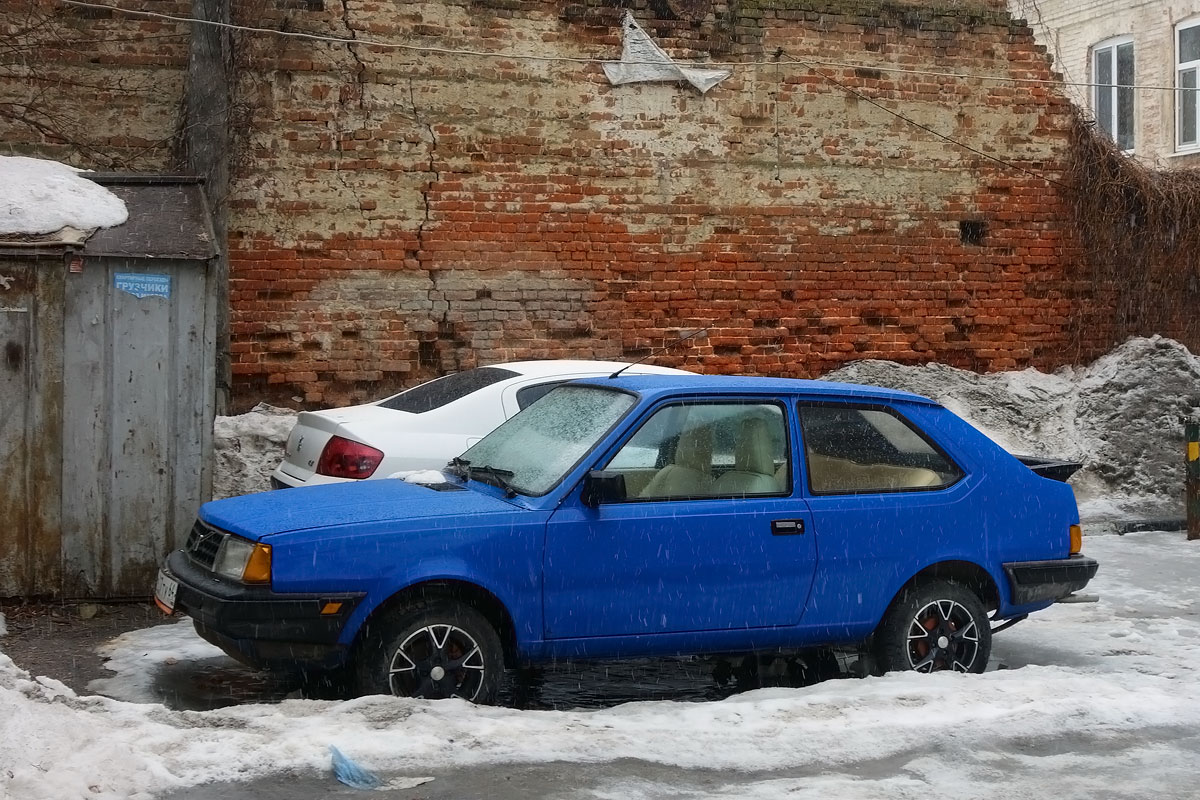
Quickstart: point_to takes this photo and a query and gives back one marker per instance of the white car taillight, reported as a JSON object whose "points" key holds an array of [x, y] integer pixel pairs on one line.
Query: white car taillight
{"points": [[343, 458]]}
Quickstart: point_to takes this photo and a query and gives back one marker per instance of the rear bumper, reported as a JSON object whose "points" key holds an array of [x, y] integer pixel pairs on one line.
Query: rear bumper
{"points": [[282, 479], [260, 627], [1038, 581]]}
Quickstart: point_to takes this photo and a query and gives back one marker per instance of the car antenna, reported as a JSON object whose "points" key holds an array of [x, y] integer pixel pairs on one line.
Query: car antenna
{"points": [[667, 346]]}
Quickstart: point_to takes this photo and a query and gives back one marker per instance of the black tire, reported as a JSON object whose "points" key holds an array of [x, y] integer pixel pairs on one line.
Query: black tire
{"points": [[433, 649], [938, 625]]}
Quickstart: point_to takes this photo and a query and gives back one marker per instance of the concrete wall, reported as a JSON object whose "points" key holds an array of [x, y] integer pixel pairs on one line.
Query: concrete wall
{"points": [[399, 213], [1070, 28]]}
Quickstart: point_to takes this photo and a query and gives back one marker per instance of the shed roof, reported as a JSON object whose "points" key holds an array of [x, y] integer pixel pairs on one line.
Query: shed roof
{"points": [[168, 218]]}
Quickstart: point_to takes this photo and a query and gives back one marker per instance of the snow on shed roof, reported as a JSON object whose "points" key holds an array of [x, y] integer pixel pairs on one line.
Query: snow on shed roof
{"points": [[39, 197]]}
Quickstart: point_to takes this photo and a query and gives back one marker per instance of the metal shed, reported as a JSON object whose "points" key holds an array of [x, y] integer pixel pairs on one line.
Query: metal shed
{"points": [[107, 389]]}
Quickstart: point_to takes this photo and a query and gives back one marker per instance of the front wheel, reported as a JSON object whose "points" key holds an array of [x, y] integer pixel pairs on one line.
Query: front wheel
{"points": [[432, 650], [939, 625]]}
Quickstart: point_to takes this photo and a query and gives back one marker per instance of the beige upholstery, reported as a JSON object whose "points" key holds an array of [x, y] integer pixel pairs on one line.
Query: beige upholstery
{"points": [[828, 474], [691, 473], [754, 463]]}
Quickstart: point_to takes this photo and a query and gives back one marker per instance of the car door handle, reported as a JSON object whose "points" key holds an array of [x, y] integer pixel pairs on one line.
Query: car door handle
{"points": [[787, 527]]}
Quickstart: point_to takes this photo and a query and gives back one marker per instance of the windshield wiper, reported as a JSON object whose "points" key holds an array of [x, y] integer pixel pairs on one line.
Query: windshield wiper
{"points": [[461, 467], [499, 475]]}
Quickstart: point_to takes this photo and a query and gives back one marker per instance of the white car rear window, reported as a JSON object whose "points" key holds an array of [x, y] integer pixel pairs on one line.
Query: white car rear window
{"points": [[439, 392]]}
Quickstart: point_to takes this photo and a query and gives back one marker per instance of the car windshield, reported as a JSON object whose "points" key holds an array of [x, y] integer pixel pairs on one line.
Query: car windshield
{"points": [[542, 443]]}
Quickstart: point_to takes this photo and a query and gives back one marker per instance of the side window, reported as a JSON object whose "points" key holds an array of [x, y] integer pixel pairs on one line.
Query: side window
{"points": [[857, 449], [702, 450]]}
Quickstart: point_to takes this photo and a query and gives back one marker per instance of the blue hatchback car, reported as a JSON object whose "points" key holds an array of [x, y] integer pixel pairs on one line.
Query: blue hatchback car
{"points": [[644, 516]]}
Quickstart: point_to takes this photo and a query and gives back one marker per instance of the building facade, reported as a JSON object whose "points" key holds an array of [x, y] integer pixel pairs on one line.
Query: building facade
{"points": [[1133, 65]]}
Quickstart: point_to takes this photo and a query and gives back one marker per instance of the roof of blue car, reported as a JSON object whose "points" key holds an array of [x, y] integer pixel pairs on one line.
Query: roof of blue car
{"points": [[668, 384]]}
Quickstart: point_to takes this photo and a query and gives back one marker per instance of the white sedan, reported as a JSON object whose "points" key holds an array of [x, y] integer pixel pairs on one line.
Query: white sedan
{"points": [[425, 426]]}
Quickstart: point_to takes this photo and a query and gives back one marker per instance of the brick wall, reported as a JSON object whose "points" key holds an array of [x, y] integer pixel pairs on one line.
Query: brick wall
{"points": [[91, 87], [397, 214]]}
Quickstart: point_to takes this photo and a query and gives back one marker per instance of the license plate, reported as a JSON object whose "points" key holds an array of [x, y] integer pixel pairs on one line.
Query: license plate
{"points": [[164, 592]]}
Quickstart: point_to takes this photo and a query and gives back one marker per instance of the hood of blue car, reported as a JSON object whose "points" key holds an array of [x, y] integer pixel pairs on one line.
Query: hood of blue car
{"points": [[257, 515]]}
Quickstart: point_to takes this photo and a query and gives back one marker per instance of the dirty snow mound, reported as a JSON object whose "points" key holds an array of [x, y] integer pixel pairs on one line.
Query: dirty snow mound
{"points": [[1120, 416], [248, 447]]}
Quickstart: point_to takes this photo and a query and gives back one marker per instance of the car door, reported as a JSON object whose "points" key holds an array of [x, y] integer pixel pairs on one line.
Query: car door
{"points": [[885, 498], [709, 535]]}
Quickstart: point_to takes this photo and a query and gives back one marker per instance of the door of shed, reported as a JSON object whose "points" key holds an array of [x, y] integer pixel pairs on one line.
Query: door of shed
{"points": [[138, 391], [139, 388]]}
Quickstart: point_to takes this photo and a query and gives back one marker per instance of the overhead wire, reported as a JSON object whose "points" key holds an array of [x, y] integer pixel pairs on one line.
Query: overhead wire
{"points": [[435, 49], [909, 120]]}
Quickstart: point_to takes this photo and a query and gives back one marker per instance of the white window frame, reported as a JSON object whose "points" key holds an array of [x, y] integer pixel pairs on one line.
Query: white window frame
{"points": [[1180, 68], [1109, 125]]}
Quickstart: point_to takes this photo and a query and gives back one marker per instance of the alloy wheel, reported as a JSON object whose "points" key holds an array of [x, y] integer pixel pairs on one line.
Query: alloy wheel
{"points": [[437, 661], [943, 635]]}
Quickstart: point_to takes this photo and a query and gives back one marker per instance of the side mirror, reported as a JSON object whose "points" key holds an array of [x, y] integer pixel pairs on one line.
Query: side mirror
{"points": [[601, 486]]}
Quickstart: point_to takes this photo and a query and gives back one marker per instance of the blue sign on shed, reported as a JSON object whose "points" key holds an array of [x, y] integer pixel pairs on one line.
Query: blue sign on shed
{"points": [[140, 285]]}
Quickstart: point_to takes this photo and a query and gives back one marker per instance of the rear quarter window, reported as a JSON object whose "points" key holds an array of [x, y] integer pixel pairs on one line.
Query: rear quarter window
{"points": [[866, 449], [528, 395], [439, 392]]}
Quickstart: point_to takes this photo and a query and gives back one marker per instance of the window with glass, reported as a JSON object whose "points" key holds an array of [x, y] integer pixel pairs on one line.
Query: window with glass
{"points": [[1112, 98], [1187, 59], [699, 450], [857, 449], [445, 390], [530, 453]]}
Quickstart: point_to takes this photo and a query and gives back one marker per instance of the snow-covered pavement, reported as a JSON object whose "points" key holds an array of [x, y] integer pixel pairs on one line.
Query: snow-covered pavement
{"points": [[1099, 701]]}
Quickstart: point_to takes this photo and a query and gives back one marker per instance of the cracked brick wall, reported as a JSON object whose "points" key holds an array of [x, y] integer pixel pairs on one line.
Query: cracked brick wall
{"points": [[399, 213]]}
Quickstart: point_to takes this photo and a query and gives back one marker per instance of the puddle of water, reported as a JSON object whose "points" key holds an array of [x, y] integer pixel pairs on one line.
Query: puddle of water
{"points": [[220, 682]]}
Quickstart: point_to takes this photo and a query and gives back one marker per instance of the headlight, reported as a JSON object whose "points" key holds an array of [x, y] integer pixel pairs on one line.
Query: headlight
{"points": [[242, 560]]}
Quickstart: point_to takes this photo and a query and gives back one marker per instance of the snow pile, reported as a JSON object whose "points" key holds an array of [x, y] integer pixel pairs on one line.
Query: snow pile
{"points": [[1103, 698], [247, 449], [39, 197], [1120, 416]]}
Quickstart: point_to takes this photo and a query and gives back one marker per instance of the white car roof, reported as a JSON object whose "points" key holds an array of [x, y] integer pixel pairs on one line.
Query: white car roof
{"points": [[569, 366]]}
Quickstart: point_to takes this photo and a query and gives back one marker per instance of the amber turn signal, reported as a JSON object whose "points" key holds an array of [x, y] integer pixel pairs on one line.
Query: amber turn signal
{"points": [[1076, 539], [258, 566]]}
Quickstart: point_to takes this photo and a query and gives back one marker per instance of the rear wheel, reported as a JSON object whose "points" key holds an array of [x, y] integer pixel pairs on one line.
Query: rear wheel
{"points": [[432, 650], [939, 625]]}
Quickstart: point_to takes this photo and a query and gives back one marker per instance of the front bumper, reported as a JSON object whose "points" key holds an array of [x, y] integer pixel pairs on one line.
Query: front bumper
{"points": [[1038, 581], [260, 627]]}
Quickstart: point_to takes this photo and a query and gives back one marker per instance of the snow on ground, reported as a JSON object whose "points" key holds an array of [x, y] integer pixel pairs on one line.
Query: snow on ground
{"points": [[1100, 700], [38, 196], [1121, 416]]}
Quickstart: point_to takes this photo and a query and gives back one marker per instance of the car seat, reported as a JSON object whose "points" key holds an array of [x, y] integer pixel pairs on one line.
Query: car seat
{"points": [[753, 462], [690, 474]]}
